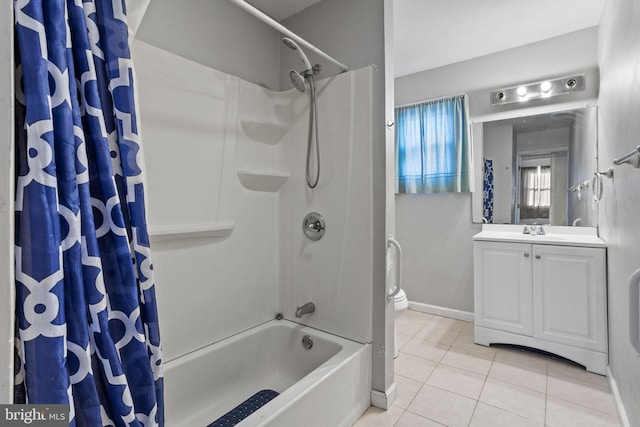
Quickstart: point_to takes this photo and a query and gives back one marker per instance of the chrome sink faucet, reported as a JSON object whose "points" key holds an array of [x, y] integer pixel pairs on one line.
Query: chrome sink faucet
{"points": [[531, 229], [305, 309]]}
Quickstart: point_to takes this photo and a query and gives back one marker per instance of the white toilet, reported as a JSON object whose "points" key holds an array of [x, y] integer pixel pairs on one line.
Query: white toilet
{"points": [[400, 304]]}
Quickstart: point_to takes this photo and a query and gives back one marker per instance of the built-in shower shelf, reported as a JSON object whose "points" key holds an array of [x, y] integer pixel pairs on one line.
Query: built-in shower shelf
{"points": [[260, 181], [266, 132], [213, 230]]}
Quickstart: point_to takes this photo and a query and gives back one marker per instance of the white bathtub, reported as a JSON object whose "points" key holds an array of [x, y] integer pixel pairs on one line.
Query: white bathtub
{"points": [[327, 385]]}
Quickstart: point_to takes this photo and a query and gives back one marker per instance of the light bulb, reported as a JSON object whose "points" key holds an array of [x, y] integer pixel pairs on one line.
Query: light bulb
{"points": [[521, 91], [545, 86]]}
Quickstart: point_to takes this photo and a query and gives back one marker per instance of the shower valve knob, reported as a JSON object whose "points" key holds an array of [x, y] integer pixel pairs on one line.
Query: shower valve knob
{"points": [[313, 226]]}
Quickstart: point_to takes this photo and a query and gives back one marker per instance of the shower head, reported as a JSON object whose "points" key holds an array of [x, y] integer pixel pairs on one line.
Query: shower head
{"points": [[298, 80], [294, 46]]}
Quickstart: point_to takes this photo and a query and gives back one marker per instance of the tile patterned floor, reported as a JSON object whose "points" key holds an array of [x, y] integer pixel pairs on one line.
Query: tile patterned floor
{"points": [[444, 379]]}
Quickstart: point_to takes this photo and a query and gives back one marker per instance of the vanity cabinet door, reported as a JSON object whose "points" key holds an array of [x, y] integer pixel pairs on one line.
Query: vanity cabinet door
{"points": [[503, 294], [569, 295]]}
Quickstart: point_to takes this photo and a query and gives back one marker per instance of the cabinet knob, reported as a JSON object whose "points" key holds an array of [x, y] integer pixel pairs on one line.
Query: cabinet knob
{"points": [[537, 256], [526, 255]]}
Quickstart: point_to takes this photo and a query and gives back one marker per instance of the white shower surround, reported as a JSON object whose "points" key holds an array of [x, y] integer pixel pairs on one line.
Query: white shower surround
{"points": [[337, 270], [227, 195]]}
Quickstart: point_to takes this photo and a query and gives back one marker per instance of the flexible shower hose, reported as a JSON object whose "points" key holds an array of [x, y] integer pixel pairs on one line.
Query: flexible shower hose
{"points": [[313, 125]]}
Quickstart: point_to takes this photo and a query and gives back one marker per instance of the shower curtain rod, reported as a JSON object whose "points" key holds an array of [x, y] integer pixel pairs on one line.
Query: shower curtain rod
{"points": [[426, 101], [284, 30]]}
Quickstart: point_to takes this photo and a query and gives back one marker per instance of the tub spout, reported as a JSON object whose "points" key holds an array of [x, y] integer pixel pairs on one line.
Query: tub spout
{"points": [[305, 309]]}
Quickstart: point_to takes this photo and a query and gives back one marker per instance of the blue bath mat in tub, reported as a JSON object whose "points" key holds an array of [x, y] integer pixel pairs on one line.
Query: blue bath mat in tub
{"points": [[245, 409]]}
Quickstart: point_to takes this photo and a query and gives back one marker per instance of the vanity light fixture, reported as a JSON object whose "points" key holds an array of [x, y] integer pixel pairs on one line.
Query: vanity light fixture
{"points": [[537, 90]]}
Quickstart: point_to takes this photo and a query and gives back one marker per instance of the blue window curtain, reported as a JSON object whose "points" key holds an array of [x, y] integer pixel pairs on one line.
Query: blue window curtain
{"points": [[433, 148], [87, 331]]}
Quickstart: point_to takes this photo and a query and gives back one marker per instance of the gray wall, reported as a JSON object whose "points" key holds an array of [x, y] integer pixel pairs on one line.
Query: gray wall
{"points": [[215, 33], [445, 277], [435, 232], [350, 31], [6, 201], [619, 131]]}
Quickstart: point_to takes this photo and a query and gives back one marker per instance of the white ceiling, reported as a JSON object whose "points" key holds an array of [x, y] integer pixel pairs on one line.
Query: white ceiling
{"points": [[433, 33], [282, 9]]}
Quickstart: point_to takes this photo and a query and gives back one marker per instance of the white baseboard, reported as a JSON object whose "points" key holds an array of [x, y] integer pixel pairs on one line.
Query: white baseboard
{"points": [[622, 414], [441, 311], [383, 400]]}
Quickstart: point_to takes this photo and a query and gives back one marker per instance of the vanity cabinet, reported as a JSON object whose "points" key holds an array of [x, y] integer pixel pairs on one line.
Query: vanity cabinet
{"points": [[503, 290], [545, 296]]}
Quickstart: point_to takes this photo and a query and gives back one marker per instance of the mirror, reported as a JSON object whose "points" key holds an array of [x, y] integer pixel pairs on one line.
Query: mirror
{"points": [[537, 169]]}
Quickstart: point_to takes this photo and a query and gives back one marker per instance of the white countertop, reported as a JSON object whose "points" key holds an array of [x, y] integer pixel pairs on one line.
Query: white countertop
{"points": [[555, 235]]}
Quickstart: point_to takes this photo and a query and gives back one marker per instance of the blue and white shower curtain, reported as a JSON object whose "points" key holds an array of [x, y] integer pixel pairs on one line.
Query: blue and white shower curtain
{"points": [[487, 193], [86, 319]]}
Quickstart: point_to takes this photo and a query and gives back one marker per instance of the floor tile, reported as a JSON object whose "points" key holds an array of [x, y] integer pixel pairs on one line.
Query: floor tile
{"points": [[519, 357], [409, 419], [459, 381], [521, 375], [445, 379], [471, 361], [433, 333], [443, 406], [448, 323], [376, 417], [518, 400], [489, 416], [425, 349], [582, 393], [418, 317], [407, 390], [402, 340], [466, 343], [569, 369], [415, 368], [469, 329], [407, 327], [561, 413]]}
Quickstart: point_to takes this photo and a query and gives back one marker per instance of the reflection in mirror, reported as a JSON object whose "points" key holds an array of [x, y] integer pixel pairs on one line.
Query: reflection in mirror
{"points": [[537, 169]]}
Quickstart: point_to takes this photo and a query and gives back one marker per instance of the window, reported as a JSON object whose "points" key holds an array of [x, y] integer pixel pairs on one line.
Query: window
{"points": [[535, 192], [433, 149]]}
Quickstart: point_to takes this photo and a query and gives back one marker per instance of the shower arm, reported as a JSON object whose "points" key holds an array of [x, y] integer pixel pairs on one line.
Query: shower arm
{"points": [[284, 30]]}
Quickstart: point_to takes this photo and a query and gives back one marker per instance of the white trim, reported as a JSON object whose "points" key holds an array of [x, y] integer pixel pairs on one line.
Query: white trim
{"points": [[622, 414], [384, 400], [441, 311]]}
